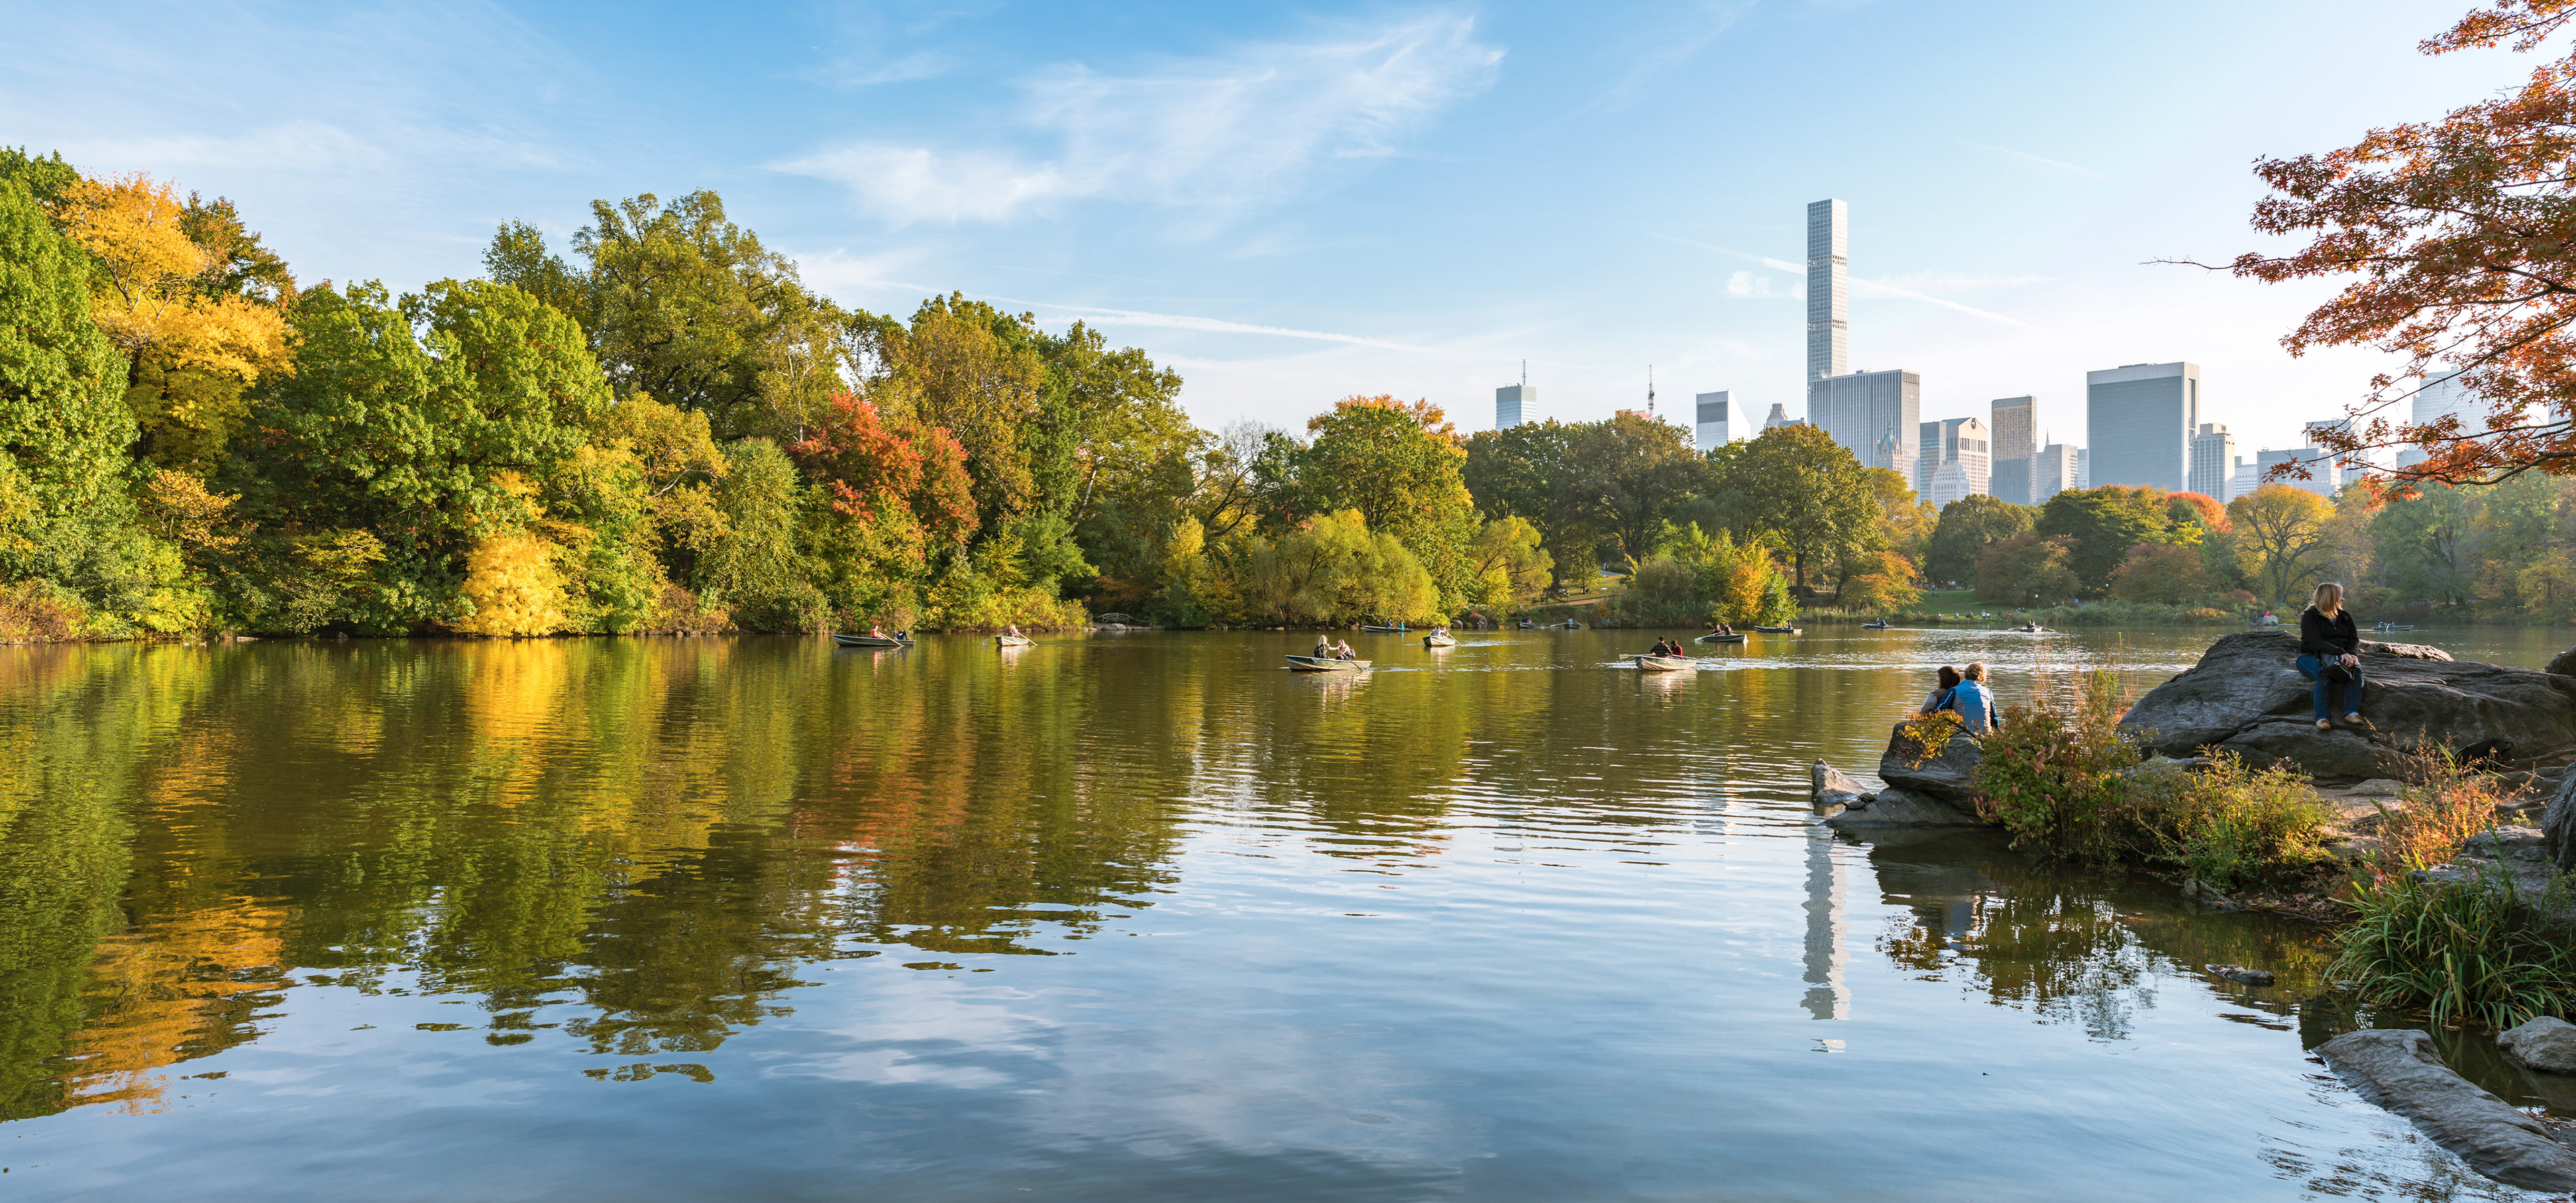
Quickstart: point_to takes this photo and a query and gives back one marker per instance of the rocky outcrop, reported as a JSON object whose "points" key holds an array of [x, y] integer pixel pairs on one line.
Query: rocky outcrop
{"points": [[2397, 1069], [1947, 774], [2519, 855], [1832, 787], [1899, 807], [2547, 1044], [2246, 696], [2558, 823], [2563, 664]]}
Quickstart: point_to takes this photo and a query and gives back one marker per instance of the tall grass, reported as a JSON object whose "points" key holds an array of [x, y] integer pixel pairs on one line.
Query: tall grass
{"points": [[2475, 954]]}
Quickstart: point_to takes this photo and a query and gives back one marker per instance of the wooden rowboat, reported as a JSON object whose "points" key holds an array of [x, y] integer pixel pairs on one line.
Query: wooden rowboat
{"points": [[1873, 626], [1664, 664], [878, 642], [1012, 641], [1439, 641], [1317, 664], [1376, 629], [1737, 637], [1780, 630]]}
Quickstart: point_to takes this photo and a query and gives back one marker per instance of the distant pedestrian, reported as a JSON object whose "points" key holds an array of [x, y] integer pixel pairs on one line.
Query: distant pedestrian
{"points": [[2330, 655]]}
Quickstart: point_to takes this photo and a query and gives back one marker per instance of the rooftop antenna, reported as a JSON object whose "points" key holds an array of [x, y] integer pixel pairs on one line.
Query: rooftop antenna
{"points": [[1524, 373], [1650, 390]]}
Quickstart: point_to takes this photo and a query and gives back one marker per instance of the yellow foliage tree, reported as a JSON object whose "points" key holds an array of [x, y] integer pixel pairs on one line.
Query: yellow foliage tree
{"points": [[2282, 537], [194, 349], [514, 585]]}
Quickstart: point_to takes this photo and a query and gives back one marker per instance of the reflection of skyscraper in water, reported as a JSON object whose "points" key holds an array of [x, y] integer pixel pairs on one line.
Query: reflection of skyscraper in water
{"points": [[1827, 996]]}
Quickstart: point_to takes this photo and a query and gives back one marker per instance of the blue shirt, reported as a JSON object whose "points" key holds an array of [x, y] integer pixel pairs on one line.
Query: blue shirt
{"points": [[1976, 706]]}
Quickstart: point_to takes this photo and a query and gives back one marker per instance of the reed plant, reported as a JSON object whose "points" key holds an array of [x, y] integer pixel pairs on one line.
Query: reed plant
{"points": [[2468, 954]]}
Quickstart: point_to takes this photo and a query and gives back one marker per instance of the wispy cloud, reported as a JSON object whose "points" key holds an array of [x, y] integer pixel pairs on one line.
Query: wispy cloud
{"points": [[1864, 287], [1221, 132], [1668, 49], [2057, 166], [1173, 321]]}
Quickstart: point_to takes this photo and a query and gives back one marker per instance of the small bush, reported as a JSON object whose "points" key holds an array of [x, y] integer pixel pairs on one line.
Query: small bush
{"points": [[2067, 779], [2232, 825], [2052, 775], [2474, 954], [2439, 808]]}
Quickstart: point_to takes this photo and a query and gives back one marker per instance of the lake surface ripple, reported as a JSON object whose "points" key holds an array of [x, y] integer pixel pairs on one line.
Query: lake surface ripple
{"points": [[1115, 917]]}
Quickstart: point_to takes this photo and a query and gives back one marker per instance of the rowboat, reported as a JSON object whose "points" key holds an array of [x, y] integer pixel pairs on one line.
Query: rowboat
{"points": [[2029, 629], [1737, 637], [879, 642], [1319, 664], [1873, 626], [1664, 664], [1437, 640], [1012, 641], [1567, 625], [1780, 630], [1375, 629]]}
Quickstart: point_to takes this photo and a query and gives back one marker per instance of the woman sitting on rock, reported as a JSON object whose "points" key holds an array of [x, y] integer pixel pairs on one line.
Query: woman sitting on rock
{"points": [[2330, 654], [1939, 698]]}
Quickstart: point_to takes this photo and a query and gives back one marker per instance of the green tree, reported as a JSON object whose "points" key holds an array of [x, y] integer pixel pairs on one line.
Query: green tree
{"points": [[1967, 528], [1797, 485], [683, 305], [2422, 544], [2101, 525], [1511, 568], [1622, 477], [1398, 467], [2161, 572], [2026, 569]]}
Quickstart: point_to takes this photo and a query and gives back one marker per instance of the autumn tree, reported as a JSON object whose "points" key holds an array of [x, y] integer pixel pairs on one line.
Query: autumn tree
{"points": [[1510, 567], [200, 323], [1397, 464], [2161, 572], [1622, 476], [899, 499], [2281, 535], [2450, 240]]}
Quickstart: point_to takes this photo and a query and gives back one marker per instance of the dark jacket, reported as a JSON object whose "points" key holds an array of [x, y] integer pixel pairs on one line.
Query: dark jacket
{"points": [[2321, 637]]}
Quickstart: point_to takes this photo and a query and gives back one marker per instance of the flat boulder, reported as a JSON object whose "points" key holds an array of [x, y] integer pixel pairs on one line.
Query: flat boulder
{"points": [[1830, 786], [2246, 696], [2398, 1069], [1947, 773], [1897, 806]]}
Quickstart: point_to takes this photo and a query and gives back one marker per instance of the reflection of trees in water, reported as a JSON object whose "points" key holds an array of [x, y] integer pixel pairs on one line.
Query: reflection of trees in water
{"points": [[2077, 947], [654, 833]]}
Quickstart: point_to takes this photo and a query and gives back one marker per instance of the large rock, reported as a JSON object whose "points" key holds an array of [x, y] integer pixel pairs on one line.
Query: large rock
{"points": [[1832, 787], [2397, 1069], [2497, 858], [1945, 775], [2558, 823], [2563, 664], [1897, 806], [2246, 696], [2547, 1044]]}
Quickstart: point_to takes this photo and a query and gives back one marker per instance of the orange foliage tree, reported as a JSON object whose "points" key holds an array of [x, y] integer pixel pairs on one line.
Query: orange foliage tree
{"points": [[900, 496], [2460, 238]]}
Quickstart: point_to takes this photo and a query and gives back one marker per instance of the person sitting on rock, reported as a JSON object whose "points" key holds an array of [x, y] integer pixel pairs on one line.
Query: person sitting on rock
{"points": [[2330, 654], [1974, 702], [1939, 699]]}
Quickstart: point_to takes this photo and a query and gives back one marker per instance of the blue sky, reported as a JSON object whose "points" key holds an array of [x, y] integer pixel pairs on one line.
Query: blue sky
{"points": [[1293, 203]]}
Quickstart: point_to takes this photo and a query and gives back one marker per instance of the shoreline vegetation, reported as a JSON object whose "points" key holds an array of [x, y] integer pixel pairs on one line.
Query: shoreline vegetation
{"points": [[2423, 922], [658, 428]]}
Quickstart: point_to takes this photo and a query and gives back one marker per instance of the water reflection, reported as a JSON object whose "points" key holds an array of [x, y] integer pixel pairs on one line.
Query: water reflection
{"points": [[1137, 906]]}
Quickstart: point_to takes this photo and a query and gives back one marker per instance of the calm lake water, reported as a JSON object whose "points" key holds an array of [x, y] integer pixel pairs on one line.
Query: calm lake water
{"points": [[1115, 917]]}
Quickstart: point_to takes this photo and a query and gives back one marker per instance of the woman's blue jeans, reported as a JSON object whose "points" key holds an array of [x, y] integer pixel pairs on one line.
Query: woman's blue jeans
{"points": [[2314, 670]]}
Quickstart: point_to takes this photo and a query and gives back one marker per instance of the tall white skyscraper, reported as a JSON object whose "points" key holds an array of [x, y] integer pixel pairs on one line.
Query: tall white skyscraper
{"points": [[1874, 415], [1511, 401], [2140, 418], [1957, 460], [1828, 290], [2213, 460], [1715, 422]]}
